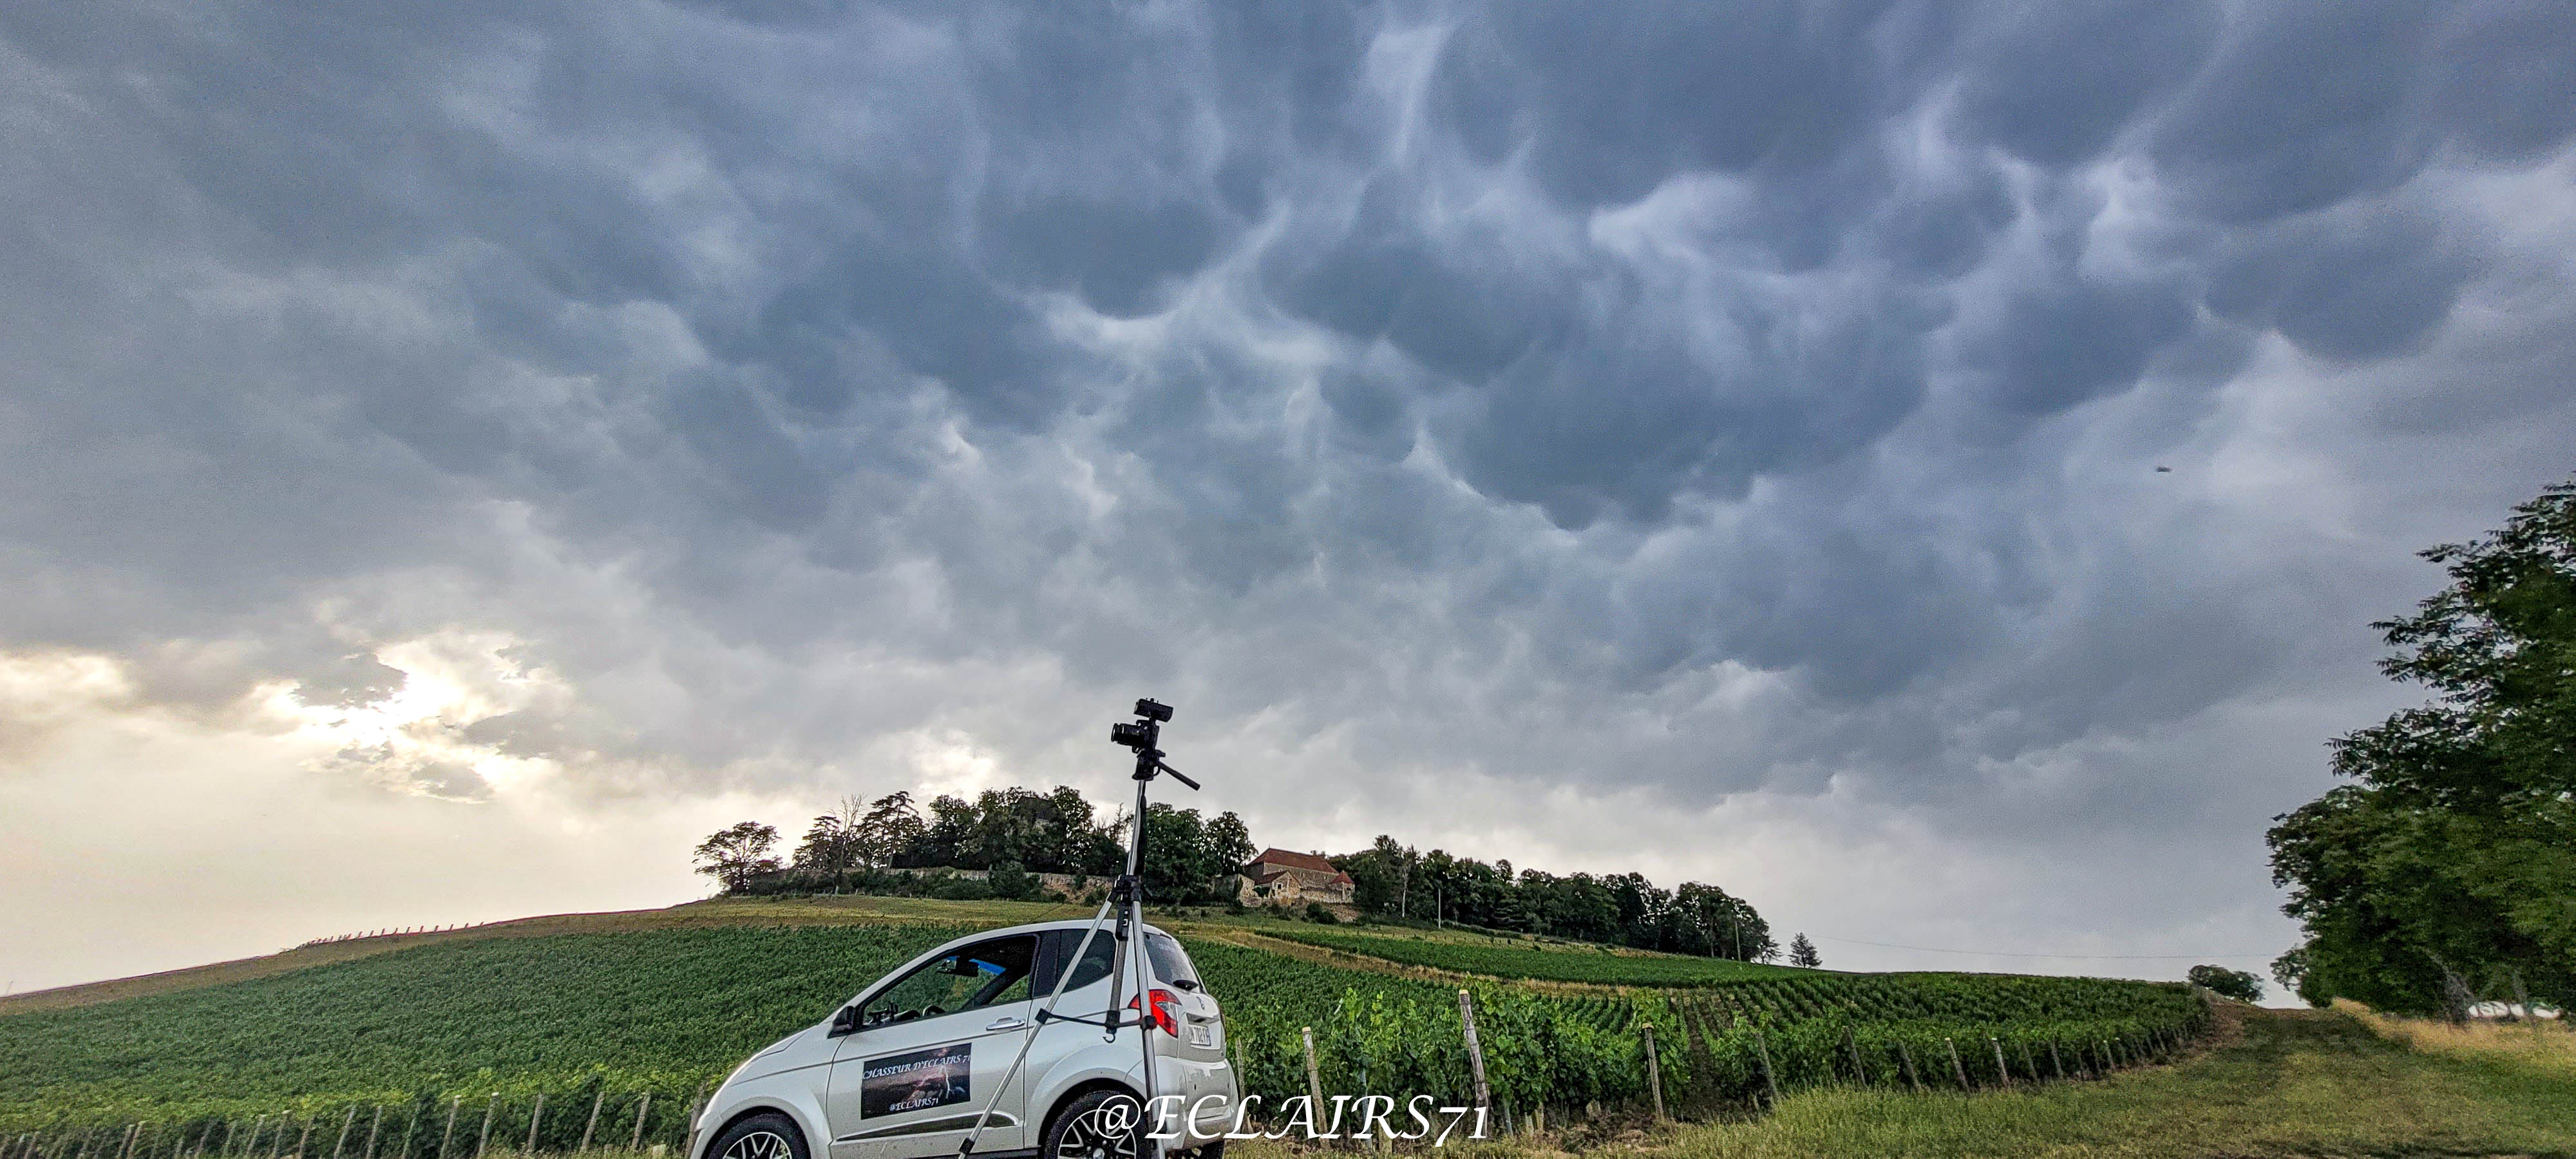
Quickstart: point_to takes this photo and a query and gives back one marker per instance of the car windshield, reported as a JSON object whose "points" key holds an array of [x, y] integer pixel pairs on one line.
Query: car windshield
{"points": [[965, 979]]}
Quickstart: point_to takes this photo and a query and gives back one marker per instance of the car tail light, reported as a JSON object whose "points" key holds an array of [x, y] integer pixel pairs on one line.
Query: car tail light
{"points": [[1163, 1014]]}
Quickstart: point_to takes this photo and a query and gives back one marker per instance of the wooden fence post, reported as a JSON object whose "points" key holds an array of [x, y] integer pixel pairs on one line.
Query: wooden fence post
{"points": [[250, 1146], [303, 1137], [346, 1121], [2001, 1070], [535, 1116], [1853, 1046], [1654, 1071], [375, 1123], [1314, 1077], [641, 1105], [411, 1123], [483, 1137], [1955, 1069], [133, 1131], [453, 1105], [593, 1124], [1768, 1080], [2056, 1062], [1906, 1056], [1475, 1050]]}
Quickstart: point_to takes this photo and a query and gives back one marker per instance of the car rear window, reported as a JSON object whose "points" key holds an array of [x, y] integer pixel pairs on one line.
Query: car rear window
{"points": [[1170, 964]]}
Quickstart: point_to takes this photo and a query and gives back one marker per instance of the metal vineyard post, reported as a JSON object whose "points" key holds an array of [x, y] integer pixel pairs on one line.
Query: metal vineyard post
{"points": [[641, 1105], [593, 1124], [483, 1138], [1958, 1071], [1314, 1077], [535, 1116], [2001, 1070], [346, 1122]]}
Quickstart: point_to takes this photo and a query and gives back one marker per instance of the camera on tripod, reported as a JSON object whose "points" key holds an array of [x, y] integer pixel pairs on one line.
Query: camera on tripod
{"points": [[1141, 734]]}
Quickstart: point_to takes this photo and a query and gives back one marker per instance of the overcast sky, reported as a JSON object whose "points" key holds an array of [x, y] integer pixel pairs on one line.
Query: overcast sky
{"points": [[453, 456]]}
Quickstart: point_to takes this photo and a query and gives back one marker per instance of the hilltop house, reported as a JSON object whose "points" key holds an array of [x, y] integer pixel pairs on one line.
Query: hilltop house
{"points": [[1280, 876]]}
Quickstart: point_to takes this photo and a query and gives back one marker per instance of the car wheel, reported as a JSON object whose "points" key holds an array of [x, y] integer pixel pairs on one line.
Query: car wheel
{"points": [[768, 1135], [1100, 1125]]}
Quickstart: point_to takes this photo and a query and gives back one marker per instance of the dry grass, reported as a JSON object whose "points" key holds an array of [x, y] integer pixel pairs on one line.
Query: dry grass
{"points": [[2286, 1084], [2544, 1045]]}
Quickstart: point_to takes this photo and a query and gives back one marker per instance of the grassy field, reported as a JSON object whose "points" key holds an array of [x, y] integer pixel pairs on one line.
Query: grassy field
{"points": [[601, 1009], [2277, 1083], [720, 912]]}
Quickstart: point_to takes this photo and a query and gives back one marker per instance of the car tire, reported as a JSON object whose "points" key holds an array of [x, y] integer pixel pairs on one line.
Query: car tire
{"points": [[1085, 1128], [767, 1135]]}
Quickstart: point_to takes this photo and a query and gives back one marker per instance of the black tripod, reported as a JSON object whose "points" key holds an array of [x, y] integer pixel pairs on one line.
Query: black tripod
{"points": [[1127, 900]]}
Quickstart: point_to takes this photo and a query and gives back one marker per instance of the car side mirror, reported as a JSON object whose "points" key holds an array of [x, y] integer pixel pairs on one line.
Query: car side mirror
{"points": [[844, 1021]]}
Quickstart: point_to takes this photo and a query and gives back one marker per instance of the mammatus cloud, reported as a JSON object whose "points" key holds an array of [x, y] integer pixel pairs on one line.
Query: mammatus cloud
{"points": [[1719, 444]]}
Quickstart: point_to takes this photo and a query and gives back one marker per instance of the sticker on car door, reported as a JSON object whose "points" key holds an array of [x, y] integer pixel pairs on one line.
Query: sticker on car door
{"points": [[916, 1080]]}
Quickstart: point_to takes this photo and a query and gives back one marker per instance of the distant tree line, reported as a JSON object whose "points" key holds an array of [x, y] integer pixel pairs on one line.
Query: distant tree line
{"points": [[875, 846], [879, 846], [1392, 880], [2444, 872]]}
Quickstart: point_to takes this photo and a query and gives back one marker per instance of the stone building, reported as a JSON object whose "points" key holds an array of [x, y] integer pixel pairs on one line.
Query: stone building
{"points": [[1296, 878]]}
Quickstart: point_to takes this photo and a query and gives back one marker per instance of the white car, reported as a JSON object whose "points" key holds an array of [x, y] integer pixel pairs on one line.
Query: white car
{"points": [[903, 1070]]}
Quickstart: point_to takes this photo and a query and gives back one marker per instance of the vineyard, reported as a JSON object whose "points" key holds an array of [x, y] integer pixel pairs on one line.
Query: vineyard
{"points": [[1715, 1045], [606, 1039], [1515, 959]]}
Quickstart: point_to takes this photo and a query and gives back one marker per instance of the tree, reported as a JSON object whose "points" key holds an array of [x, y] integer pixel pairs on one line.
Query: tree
{"points": [[1803, 953], [2452, 853], [1011, 883], [831, 843], [890, 830], [736, 855], [2226, 983], [1229, 844]]}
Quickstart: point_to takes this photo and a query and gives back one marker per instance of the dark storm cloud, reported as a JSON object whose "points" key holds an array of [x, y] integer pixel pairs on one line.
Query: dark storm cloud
{"points": [[1701, 397]]}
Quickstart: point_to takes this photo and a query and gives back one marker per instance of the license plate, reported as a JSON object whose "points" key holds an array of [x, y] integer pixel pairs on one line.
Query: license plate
{"points": [[1199, 1036]]}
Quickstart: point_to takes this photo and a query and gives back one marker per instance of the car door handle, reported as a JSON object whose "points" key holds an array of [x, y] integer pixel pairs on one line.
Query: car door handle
{"points": [[1006, 1024]]}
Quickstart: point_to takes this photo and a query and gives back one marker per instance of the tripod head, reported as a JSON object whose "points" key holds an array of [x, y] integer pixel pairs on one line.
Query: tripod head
{"points": [[1142, 734]]}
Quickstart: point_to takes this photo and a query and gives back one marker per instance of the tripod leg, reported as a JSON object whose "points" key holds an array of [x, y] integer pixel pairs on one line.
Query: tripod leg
{"points": [[966, 1146]]}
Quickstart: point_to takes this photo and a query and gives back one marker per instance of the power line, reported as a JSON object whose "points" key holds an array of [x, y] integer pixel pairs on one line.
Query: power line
{"points": [[2002, 954]]}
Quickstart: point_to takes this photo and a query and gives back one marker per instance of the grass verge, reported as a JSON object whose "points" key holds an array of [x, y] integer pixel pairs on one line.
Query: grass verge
{"points": [[2281, 1083]]}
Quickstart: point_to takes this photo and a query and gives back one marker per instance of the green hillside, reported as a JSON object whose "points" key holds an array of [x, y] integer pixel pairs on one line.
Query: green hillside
{"points": [[1522, 958], [605, 1013]]}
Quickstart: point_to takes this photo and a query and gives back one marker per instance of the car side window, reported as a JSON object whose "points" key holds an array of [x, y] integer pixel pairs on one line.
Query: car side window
{"points": [[1096, 960], [967, 978]]}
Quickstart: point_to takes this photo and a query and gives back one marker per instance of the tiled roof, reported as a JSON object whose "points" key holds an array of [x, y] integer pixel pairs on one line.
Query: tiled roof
{"points": [[1294, 860]]}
